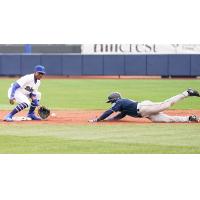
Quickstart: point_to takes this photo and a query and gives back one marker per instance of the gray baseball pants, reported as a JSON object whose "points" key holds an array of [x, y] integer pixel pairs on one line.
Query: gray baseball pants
{"points": [[154, 111]]}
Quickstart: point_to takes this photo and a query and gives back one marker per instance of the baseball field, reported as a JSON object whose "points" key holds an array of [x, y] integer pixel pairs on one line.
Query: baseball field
{"points": [[74, 101]]}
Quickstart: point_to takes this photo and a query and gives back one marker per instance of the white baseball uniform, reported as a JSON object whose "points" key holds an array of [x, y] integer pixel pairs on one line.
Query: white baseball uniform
{"points": [[28, 86]]}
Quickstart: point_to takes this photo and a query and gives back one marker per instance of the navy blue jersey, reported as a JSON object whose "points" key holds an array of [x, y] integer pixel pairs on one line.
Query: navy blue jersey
{"points": [[126, 106]]}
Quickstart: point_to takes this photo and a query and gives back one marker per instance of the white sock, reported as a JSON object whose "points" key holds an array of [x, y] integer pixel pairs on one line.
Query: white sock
{"points": [[185, 94]]}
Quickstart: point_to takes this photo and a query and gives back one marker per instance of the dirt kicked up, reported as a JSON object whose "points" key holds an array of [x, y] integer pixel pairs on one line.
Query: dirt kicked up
{"points": [[82, 117]]}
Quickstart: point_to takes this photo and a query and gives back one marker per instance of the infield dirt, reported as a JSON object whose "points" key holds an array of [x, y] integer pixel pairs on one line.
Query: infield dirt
{"points": [[81, 117]]}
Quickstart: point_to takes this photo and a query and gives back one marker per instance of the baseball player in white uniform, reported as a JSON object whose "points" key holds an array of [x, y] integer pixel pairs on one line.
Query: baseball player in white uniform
{"points": [[25, 92]]}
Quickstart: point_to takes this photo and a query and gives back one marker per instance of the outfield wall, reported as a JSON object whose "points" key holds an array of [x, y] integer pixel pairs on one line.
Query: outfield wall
{"points": [[77, 64]]}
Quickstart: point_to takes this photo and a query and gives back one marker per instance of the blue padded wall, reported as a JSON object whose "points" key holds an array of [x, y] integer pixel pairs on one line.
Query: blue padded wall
{"points": [[135, 65], [157, 65], [10, 65], [195, 65], [72, 65], [93, 64], [161, 65], [179, 65], [28, 62], [0, 65], [114, 65], [53, 64]]}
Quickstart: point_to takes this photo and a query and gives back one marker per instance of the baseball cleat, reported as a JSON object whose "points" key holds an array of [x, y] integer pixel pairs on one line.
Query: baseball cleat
{"points": [[193, 118], [33, 117], [192, 92], [8, 118]]}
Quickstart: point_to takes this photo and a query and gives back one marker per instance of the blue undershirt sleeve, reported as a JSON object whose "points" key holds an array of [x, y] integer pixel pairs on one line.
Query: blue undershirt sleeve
{"points": [[119, 116], [105, 115], [14, 88]]}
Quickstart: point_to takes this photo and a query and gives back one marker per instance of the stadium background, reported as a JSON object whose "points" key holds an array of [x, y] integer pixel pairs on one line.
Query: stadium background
{"points": [[71, 60]]}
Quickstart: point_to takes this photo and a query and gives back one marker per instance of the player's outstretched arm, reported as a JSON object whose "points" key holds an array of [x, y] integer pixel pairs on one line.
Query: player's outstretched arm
{"points": [[102, 117], [117, 117]]}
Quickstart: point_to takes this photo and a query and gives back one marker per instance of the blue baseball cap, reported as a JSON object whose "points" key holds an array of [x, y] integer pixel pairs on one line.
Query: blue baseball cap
{"points": [[40, 69]]}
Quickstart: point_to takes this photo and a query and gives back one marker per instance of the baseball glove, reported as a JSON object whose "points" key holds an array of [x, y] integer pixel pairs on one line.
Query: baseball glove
{"points": [[43, 112]]}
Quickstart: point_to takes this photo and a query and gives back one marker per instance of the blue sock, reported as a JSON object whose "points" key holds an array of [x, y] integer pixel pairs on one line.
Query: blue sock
{"points": [[34, 104], [19, 108]]}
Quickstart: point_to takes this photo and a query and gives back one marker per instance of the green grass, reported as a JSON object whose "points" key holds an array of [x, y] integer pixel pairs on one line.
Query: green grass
{"points": [[102, 138], [91, 94], [155, 138]]}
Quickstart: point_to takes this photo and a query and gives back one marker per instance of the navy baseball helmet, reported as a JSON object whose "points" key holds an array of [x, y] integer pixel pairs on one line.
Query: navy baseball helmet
{"points": [[113, 97], [40, 69]]}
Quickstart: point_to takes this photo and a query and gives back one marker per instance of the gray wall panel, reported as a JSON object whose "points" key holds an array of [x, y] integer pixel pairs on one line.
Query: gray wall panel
{"points": [[56, 48], [11, 48]]}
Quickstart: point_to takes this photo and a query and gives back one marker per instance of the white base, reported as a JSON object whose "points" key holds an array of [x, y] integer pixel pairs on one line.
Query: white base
{"points": [[21, 119]]}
